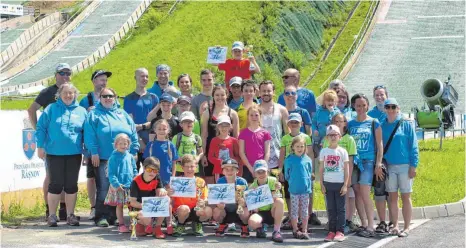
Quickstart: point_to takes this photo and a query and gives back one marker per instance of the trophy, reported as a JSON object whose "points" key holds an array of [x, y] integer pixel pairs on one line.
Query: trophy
{"points": [[199, 189], [134, 221], [239, 195], [276, 192]]}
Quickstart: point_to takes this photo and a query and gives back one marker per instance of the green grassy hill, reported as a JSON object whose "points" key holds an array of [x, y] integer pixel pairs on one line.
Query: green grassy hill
{"points": [[284, 34]]}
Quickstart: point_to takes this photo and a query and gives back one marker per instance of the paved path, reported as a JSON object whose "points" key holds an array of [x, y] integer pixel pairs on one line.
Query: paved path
{"points": [[36, 234], [92, 33], [414, 41], [441, 232]]}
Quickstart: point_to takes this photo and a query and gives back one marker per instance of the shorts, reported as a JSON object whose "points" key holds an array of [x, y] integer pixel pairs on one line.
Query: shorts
{"points": [[398, 179], [192, 217], [367, 175], [355, 176], [89, 168], [232, 217], [117, 197], [248, 175], [267, 217]]}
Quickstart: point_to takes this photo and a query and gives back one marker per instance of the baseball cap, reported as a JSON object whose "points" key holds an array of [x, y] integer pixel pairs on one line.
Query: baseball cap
{"points": [[100, 73], [187, 115], [223, 119], [162, 67], [261, 165], [237, 45], [332, 129], [167, 98], [236, 80], [295, 117], [391, 101], [62, 66], [184, 98], [230, 162]]}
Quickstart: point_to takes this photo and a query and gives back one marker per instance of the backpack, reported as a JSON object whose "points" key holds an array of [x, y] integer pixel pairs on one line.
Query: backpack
{"points": [[90, 99], [179, 136]]}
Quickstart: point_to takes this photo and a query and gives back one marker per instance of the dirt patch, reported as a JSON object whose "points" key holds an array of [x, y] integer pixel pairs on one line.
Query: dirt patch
{"points": [[50, 6]]}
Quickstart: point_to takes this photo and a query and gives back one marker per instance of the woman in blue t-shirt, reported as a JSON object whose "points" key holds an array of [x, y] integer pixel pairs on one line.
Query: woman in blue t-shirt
{"points": [[369, 159]]}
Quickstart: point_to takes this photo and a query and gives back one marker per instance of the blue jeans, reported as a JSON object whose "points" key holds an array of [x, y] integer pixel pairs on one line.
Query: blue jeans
{"points": [[335, 207], [102, 184]]}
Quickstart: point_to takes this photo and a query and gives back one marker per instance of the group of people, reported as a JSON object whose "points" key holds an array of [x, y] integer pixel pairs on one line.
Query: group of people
{"points": [[228, 133]]}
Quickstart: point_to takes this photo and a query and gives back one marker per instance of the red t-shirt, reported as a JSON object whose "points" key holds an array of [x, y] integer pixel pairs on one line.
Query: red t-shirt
{"points": [[235, 68], [221, 150]]}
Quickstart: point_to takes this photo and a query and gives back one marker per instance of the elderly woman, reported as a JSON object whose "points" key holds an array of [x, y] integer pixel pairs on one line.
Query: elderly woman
{"points": [[60, 136], [402, 156], [367, 133], [103, 124]]}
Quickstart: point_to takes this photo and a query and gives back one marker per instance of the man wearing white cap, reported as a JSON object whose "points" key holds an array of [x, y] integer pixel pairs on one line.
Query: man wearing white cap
{"points": [[271, 214], [46, 97]]}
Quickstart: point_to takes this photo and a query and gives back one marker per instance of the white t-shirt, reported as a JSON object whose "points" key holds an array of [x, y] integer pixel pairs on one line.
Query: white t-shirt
{"points": [[333, 164]]}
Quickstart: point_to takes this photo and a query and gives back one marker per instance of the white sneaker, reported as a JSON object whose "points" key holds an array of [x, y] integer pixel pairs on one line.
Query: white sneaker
{"points": [[231, 227], [92, 214]]}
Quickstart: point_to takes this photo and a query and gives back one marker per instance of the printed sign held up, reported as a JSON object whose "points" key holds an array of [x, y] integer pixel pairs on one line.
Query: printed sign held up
{"points": [[156, 206], [183, 186], [217, 55], [258, 197], [221, 193]]}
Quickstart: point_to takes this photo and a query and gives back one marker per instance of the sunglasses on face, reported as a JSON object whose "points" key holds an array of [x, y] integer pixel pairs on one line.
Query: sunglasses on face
{"points": [[64, 73], [107, 96], [393, 107], [286, 77], [290, 93], [378, 87], [149, 170]]}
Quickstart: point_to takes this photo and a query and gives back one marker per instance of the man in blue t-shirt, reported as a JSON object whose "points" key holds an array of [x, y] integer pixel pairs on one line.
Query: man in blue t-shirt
{"points": [[306, 98], [138, 104], [163, 81]]}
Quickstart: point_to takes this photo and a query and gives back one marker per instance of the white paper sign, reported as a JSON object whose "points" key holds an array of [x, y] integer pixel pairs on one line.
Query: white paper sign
{"points": [[156, 206], [221, 193], [183, 186], [217, 55], [258, 197]]}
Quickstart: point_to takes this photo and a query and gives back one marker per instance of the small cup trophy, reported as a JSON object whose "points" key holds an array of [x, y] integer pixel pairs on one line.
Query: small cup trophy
{"points": [[240, 195], [276, 192], [134, 221], [199, 189]]}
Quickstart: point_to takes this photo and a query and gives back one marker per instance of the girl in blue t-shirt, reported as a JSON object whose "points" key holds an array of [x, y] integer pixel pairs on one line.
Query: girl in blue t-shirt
{"points": [[369, 157], [298, 173]]}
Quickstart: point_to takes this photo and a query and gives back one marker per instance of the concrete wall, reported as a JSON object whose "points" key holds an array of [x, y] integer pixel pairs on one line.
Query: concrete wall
{"points": [[18, 21]]}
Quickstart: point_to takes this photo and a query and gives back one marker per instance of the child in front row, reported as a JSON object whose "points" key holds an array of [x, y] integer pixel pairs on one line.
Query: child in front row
{"points": [[147, 184], [121, 171], [298, 173], [334, 176]]}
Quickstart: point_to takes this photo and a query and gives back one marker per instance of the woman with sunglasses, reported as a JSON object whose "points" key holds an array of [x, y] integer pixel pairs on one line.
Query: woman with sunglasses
{"points": [[367, 134], [380, 95], [402, 156], [344, 104], [103, 124]]}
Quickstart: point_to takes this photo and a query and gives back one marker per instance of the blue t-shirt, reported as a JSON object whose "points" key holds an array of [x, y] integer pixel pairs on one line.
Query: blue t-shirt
{"points": [[156, 90], [362, 134], [376, 113], [85, 101], [160, 151], [235, 104], [139, 107], [349, 113], [306, 100], [304, 115]]}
